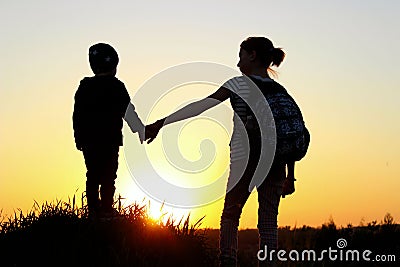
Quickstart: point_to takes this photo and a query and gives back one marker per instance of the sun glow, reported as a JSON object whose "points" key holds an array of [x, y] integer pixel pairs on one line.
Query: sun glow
{"points": [[160, 212]]}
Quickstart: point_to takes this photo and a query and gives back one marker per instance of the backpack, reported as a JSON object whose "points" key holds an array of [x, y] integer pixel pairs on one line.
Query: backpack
{"points": [[292, 136]]}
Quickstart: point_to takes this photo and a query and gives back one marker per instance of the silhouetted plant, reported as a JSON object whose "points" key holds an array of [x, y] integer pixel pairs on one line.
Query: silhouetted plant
{"points": [[61, 234], [66, 236]]}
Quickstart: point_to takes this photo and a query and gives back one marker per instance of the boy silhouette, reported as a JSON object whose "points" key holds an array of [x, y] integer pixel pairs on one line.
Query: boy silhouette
{"points": [[101, 104]]}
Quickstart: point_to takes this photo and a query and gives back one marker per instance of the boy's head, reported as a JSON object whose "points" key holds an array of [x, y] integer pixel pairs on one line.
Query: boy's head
{"points": [[103, 58]]}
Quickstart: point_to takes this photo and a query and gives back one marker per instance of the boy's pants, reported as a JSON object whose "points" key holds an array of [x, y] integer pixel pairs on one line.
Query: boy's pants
{"points": [[269, 194], [101, 164]]}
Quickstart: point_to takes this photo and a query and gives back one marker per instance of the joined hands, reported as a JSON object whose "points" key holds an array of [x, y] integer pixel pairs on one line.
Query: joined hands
{"points": [[151, 131]]}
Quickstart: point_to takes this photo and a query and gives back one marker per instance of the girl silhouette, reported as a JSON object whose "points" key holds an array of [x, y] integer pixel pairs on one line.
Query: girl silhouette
{"points": [[257, 55]]}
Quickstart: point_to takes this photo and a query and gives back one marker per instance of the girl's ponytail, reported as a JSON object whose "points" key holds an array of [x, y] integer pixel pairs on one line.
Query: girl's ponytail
{"points": [[277, 55]]}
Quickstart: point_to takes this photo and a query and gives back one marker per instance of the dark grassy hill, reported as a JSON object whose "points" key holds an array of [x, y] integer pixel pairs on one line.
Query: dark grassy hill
{"points": [[59, 234]]}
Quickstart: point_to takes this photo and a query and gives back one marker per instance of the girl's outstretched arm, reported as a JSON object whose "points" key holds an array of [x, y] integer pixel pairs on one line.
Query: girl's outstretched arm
{"points": [[188, 111], [198, 107]]}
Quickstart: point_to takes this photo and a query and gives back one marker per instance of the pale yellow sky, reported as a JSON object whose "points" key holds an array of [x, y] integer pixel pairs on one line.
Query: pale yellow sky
{"points": [[341, 67]]}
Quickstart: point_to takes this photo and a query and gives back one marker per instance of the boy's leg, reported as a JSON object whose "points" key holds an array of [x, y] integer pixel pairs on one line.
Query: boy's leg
{"points": [[92, 197], [109, 174], [269, 194], [92, 179]]}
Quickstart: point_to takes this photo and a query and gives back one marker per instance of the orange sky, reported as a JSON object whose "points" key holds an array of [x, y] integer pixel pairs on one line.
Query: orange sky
{"points": [[343, 73]]}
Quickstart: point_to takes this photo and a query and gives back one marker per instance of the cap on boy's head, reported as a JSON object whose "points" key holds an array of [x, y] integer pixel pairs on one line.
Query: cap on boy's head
{"points": [[102, 58]]}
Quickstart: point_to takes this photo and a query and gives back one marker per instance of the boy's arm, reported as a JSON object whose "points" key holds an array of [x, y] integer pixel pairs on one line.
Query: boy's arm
{"points": [[130, 116], [134, 122], [76, 121]]}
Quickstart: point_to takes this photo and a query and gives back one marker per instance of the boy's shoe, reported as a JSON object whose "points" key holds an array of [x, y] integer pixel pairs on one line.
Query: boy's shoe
{"points": [[92, 215], [109, 214]]}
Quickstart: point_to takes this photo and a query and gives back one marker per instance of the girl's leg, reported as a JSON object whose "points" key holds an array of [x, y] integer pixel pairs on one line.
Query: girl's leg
{"points": [[233, 205], [269, 194]]}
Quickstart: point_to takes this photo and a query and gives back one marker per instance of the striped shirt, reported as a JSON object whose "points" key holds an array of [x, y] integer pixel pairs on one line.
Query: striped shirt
{"points": [[240, 92]]}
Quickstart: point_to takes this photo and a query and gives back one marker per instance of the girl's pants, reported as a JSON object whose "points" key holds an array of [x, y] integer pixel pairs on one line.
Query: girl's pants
{"points": [[269, 194]]}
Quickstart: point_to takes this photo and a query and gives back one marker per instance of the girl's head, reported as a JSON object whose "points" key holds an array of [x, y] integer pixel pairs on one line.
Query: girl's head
{"points": [[259, 52]]}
